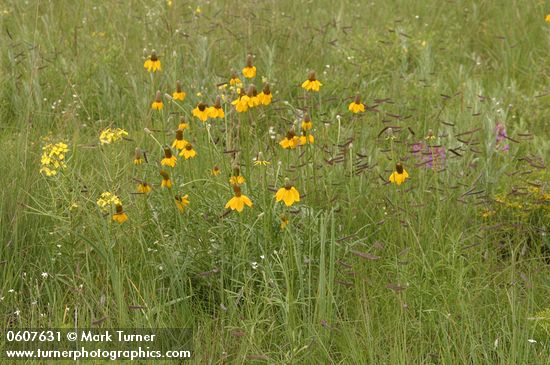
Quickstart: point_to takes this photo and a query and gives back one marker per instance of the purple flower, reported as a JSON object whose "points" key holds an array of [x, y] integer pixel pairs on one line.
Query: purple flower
{"points": [[432, 157], [501, 137]]}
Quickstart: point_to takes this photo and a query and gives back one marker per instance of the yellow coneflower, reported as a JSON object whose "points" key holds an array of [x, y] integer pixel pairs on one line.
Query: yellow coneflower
{"points": [[144, 188], [265, 96], [166, 182], [179, 94], [152, 64], [188, 151], [399, 175], [241, 104], [119, 216], [183, 124], [182, 202], [430, 136], [216, 111], [138, 158], [307, 124], [179, 143], [169, 159], [238, 201], [260, 160], [284, 222], [288, 194], [290, 141], [312, 84], [234, 80], [157, 104], [356, 106], [306, 139], [249, 71], [252, 94], [236, 178], [215, 171], [201, 111], [547, 18]]}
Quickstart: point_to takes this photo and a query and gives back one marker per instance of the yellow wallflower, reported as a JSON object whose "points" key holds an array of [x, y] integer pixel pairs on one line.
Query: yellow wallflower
{"points": [[152, 64], [144, 188], [182, 202], [166, 182], [169, 159], [179, 143], [179, 94], [288, 194], [249, 71], [356, 106], [201, 111], [157, 104], [399, 175], [53, 156], [312, 84], [290, 141], [188, 152], [238, 201], [106, 199], [119, 216], [109, 135], [265, 96]]}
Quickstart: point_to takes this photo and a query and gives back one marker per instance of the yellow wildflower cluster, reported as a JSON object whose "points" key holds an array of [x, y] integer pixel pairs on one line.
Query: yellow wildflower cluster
{"points": [[111, 135], [107, 199], [242, 101], [53, 158]]}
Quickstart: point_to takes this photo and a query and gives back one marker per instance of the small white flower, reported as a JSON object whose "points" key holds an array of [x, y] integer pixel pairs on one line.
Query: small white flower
{"points": [[254, 265], [17, 312], [45, 275], [531, 340], [262, 257]]}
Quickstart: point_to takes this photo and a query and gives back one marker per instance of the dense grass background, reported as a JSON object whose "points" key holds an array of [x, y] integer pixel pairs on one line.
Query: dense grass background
{"points": [[365, 272]]}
